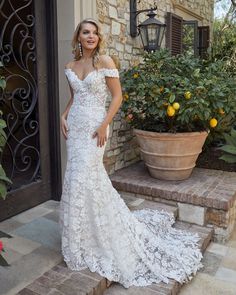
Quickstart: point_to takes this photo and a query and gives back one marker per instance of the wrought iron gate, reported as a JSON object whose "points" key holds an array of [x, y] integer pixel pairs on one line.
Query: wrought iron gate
{"points": [[24, 54]]}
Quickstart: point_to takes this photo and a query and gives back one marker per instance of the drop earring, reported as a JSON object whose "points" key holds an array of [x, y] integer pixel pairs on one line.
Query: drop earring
{"points": [[80, 49]]}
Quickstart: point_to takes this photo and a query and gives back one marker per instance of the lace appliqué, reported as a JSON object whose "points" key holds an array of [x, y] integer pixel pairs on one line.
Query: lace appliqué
{"points": [[97, 228], [111, 73]]}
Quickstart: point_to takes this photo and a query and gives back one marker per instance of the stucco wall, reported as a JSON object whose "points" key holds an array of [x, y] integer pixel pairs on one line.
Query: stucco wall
{"points": [[69, 14]]}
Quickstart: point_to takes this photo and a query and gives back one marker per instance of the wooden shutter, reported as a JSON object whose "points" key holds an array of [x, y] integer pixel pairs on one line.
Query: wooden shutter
{"points": [[174, 28], [204, 40]]}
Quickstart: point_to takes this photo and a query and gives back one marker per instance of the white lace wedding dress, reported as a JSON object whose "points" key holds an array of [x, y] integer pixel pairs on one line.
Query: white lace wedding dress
{"points": [[98, 230]]}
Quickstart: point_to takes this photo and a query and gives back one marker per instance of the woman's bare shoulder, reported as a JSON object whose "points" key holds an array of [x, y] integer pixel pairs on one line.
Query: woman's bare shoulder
{"points": [[70, 64], [105, 61]]}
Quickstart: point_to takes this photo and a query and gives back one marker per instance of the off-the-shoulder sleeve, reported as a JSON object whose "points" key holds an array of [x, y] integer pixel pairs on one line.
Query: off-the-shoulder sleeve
{"points": [[67, 71], [111, 73]]}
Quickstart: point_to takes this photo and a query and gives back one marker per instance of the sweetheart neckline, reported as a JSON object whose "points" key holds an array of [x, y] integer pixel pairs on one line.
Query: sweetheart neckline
{"points": [[95, 70], [76, 75]]}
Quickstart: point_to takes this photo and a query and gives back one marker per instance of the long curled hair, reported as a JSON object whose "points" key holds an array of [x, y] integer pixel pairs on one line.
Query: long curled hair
{"points": [[101, 44]]}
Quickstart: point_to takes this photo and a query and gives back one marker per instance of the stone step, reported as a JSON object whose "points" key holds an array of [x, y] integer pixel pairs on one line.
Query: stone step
{"points": [[61, 280], [207, 198], [135, 203], [173, 287]]}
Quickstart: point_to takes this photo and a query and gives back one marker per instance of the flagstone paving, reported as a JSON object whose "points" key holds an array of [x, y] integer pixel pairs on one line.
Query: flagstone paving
{"points": [[37, 266]]}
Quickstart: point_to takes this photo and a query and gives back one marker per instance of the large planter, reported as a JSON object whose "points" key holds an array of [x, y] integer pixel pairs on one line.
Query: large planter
{"points": [[170, 156]]}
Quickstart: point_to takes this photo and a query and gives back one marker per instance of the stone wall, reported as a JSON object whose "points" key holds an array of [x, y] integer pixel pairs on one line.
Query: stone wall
{"points": [[113, 15]]}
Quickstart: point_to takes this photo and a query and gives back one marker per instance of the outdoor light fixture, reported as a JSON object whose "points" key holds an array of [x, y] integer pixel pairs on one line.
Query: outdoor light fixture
{"points": [[151, 30]]}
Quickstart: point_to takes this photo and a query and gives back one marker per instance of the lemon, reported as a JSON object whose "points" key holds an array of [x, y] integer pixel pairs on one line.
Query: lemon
{"points": [[170, 111], [221, 111], [213, 122], [135, 75], [176, 106], [126, 96], [187, 94]]}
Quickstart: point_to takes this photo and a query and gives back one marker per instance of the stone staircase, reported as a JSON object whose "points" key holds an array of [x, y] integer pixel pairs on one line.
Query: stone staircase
{"points": [[173, 287], [61, 280], [204, 204]]}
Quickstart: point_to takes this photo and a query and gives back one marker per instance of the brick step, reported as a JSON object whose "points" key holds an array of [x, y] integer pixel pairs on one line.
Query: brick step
{"points": [[207, 198], [173, 287], [61, 280]]}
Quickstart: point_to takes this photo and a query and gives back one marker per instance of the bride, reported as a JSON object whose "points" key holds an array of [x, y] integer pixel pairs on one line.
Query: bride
{"points": [[98, 231]]}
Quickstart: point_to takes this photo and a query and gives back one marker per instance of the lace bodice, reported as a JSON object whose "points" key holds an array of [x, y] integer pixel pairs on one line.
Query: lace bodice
{"points": [[92, 90]]}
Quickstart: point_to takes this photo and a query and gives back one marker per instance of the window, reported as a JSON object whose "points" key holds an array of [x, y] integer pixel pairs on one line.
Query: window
{"points": [[185, 36], [190, 36]]}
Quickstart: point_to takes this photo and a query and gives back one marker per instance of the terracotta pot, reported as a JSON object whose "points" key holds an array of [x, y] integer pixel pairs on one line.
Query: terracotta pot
{"points": [[170, 156]]}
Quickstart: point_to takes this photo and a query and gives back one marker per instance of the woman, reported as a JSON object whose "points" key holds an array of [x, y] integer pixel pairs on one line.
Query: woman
{"points": [[98, 230]]}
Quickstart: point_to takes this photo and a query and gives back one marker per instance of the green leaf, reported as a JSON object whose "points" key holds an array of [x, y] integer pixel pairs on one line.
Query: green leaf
{"points": [[3, 262], [228, 158], [2, 123], [228, 149], [2, 172], [5, 178], [2, 83], [233, 132], [196, 73], [3, 190], [4, 235], [172, 98], [230, 140]]}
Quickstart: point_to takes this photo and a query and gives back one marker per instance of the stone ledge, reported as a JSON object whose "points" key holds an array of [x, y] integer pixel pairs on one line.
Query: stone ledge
{"points": [[207, 188], [135, 203]]}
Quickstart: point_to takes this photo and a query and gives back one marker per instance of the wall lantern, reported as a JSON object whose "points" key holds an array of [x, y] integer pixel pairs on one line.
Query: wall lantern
{"points": [[151, 30]]}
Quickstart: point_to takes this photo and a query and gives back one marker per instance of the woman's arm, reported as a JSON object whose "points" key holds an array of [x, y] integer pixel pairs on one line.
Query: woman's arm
{"points": [[66, 111], [64, 126], [116, 92]]}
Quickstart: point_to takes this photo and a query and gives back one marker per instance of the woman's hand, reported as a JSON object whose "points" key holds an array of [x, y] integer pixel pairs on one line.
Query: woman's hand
{"points": [[64, 126], [101, 135]]}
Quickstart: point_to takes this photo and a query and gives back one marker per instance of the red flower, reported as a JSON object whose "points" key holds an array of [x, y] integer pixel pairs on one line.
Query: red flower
{"points": [[1, 246]]}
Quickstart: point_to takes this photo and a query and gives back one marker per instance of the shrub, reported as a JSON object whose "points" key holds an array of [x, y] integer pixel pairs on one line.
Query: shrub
{"points": [[168, 93]]}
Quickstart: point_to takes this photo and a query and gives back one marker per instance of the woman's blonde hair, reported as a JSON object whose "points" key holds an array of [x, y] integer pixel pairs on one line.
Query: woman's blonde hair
{"points": [[101, 44]]}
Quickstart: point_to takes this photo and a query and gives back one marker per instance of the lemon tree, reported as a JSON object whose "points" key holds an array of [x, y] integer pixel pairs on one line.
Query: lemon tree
{"points": [[168, 93]]}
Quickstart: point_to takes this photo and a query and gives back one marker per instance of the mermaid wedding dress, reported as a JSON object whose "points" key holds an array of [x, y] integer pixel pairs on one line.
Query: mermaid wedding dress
{"points": [[98, 230]]}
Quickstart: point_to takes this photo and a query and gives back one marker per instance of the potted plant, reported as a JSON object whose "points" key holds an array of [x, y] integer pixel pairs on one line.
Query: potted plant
{"points": [[173, 102]]}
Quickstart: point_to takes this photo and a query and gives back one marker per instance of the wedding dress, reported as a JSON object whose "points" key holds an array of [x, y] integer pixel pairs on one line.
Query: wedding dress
{"points": [[98, 230]]}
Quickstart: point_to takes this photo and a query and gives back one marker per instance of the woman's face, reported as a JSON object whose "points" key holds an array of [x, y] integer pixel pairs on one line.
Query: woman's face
{"points": [[88, 36]]}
